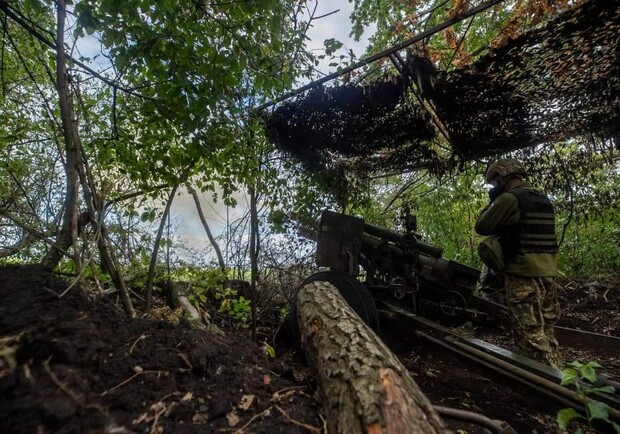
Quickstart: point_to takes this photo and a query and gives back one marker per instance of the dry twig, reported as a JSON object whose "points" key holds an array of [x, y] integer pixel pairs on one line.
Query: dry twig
{"points": [[252, 419], [60, 384], [140, 338], [137, 374], [283, 394], [296, 422]]}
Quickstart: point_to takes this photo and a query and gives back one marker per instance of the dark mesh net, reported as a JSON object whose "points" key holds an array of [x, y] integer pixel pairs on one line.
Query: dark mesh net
{"points": [[325, 125], [553, 83]]}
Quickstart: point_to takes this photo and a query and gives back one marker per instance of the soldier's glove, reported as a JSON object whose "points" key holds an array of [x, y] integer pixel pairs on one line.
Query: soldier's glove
{"points": [[496, 191]]}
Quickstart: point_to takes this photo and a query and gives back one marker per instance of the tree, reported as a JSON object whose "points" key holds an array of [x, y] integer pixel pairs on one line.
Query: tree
{"points": [[364, 386], [180, 71]]}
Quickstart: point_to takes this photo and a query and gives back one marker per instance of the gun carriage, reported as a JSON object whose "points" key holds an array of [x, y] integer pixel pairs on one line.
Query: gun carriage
{"points": [[396, 268]]}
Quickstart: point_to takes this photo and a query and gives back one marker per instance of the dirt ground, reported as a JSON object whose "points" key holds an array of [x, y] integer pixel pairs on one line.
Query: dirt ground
{"points": [[452, 382], [73, 366], [77, 366]]}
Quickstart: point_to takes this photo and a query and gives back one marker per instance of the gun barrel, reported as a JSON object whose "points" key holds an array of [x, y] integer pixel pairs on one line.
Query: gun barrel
{"points": [[395, 237], [435, 265]]}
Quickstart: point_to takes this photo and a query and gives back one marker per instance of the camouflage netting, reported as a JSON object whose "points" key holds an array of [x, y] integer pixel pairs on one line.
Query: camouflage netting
{"points": [[361, 123], [553, 83]]}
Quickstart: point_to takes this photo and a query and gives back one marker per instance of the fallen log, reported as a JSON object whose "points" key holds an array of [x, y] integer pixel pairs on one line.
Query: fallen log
{"points": [[178, 297], [364, 387]]}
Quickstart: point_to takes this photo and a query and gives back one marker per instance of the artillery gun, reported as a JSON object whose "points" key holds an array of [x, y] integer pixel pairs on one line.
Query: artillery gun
{"points": [[370, 265], [419, 293]]}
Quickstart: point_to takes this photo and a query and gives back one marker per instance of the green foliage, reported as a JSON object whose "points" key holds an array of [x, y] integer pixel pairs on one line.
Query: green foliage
{"points": [[331, 46], [269, 350], [462, 43], [592, 246], [198, 66], [202, 281], [447, 215], [446, 209], [283, 313], [239, 308], [582, 178], [181, 81], [582, 376]]}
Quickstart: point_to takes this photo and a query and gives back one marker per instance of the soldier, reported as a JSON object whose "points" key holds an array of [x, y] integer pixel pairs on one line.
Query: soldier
{"points": [[520, 221]]}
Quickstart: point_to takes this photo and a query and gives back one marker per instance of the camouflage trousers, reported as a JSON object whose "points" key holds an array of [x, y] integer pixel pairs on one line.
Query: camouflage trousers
{"points": [[534, 310]]}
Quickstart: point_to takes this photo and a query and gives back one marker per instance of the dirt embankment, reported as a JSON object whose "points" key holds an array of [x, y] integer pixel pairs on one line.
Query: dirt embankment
{"points": [[74, 366]]}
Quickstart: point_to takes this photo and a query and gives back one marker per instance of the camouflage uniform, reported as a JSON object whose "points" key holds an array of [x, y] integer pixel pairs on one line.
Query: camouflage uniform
{"points": [[534, 309], [530, 288]]}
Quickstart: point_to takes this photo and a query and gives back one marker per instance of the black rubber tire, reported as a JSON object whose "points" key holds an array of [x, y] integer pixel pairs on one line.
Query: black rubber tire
{"points": [[351, 289], [354, 292]]}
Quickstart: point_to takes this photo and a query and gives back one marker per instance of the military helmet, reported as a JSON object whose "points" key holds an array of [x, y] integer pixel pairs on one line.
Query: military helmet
{"points": [[503, 168]]}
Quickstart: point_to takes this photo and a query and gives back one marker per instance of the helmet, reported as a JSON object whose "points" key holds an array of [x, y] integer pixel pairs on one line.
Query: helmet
{"points": [[503, 168]]}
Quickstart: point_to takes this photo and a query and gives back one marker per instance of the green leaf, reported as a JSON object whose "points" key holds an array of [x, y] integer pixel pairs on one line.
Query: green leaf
{"points": [[569, 376], [604, 389], [269, 350], [598, 410], [588, 372], [565, 415], [331, 46]]}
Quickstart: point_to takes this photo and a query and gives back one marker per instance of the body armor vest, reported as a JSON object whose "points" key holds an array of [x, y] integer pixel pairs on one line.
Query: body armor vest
{"points": [[536, 227]]}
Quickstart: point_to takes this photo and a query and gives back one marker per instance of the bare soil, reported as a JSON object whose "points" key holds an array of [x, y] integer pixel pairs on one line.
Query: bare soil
{"points": [[74, 365]]}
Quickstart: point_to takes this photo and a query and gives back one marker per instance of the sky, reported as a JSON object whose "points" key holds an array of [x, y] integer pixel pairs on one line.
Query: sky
{"points": [[337, 26], [189, 229]]}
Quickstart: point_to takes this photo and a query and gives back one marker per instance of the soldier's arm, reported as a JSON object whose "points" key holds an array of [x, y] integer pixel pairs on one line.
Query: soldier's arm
{"points": [[504, 211]]}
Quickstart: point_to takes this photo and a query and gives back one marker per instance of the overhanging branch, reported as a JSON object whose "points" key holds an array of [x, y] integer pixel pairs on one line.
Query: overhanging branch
{"points": [[18, 18], [419, 37]]}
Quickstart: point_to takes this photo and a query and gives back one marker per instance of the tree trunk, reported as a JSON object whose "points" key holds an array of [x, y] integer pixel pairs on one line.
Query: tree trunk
{"points": [[364, 387], [205, 225], [68, 231], [254, 247], [160, 231], [110, 263]]}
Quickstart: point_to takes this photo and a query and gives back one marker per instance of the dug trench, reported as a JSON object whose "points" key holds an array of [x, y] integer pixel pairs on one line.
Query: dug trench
{"points": [[73, 365]]}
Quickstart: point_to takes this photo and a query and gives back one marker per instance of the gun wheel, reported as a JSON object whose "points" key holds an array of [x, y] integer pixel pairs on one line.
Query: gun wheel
{"points": [[354, 292], [351, 289]]}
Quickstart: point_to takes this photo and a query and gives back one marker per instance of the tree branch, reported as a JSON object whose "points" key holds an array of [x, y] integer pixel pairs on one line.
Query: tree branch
{"points": [[33, 232], [19, 19], [212, 240]]}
